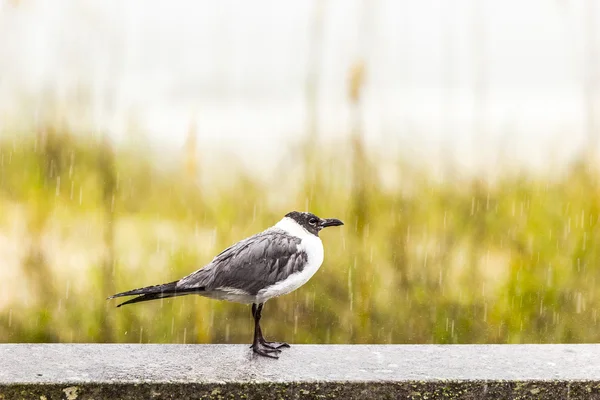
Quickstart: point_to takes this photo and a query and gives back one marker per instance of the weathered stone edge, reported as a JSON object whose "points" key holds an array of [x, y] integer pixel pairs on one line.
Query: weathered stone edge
{"points": [[439, 389]]}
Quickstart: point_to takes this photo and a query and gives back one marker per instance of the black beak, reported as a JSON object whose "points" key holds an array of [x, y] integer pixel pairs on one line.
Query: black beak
{"points": [[330, 222]]}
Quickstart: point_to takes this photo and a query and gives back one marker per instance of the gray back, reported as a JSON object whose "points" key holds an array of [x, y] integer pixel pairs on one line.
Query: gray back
{"points": [[251, 264]]}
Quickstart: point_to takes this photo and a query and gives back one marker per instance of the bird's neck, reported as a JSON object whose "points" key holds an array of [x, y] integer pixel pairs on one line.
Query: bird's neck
{"points": [[293, 228]]}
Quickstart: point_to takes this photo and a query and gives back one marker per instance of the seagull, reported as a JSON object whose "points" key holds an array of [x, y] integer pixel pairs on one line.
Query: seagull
{"points": [[271, 263]]}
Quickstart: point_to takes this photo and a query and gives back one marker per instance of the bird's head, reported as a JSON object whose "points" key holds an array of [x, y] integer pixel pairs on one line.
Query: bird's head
{"points": [[311, 222]]}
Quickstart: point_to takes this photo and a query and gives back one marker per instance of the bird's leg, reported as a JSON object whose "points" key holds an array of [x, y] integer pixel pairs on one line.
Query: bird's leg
{"points": [[257, 346], [261, 339]]}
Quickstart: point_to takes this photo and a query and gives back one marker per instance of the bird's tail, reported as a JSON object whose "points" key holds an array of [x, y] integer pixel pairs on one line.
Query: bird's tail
{"points": [[155, 292]]}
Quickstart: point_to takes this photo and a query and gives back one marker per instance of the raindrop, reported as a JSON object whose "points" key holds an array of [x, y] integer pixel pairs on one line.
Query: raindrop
{"points": [[71, 164], [295, 324], [67, 290], [350, 291], [9, 318]]}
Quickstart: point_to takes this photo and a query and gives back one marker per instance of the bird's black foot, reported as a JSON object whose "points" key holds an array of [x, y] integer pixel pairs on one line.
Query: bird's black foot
{"points": [[275, 345], [265, 351]]}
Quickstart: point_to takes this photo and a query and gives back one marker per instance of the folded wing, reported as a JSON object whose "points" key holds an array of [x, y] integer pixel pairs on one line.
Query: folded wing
{"points": [[250, 265]]}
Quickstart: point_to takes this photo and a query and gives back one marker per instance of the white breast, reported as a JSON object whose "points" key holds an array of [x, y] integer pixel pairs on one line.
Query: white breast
{"points": [[313, 247]]}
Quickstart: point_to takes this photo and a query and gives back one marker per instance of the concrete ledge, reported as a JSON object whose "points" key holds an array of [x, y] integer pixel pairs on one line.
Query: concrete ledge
{"points": [[70, 371]]}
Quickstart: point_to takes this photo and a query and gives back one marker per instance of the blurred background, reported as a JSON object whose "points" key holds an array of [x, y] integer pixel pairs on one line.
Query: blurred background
{"points": [[457, 140]]}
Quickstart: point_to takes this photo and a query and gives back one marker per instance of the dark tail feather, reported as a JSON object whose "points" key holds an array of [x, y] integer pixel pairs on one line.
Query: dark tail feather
{"points": [[151, 296], [167, 287], [155, 292]]}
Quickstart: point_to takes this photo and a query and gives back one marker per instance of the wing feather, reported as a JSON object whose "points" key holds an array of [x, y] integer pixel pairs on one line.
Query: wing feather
{"points": [[251, 264]]}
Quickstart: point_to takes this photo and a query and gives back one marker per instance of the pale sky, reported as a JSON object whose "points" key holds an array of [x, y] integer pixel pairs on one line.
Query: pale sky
{"points": [[238, 69]]}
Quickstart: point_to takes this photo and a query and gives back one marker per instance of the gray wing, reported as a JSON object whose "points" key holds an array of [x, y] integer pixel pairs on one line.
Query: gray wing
{"points": [[251, 264]]}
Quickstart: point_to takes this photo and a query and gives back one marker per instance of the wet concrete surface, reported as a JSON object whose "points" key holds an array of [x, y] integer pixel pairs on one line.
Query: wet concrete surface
{"points": [[336, 371]]}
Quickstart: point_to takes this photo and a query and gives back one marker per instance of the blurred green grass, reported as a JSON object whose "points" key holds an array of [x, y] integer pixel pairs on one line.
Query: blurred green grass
{"points": [[424, 260]]}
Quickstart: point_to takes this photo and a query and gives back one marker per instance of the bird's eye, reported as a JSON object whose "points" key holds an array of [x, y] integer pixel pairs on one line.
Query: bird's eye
{"points": [[312, 221]]}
